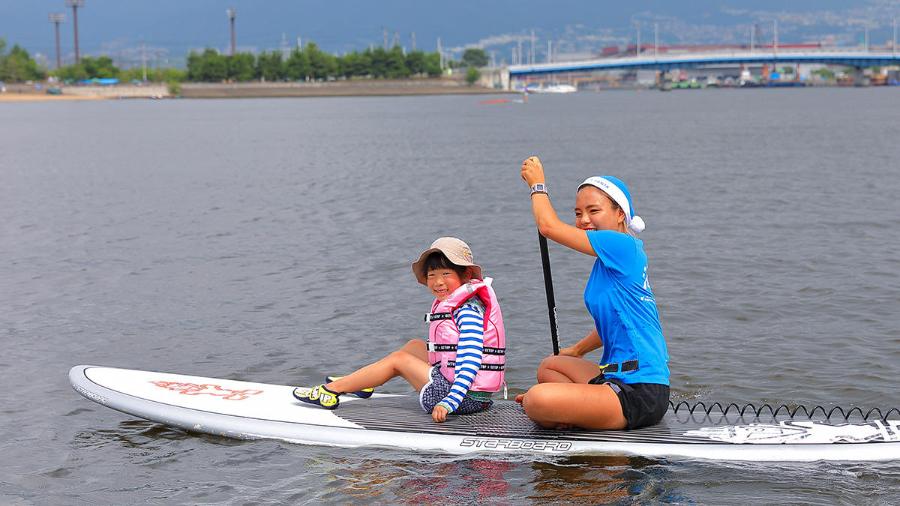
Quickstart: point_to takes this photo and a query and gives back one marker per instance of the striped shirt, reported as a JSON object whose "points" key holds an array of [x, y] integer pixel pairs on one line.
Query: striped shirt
{"points": [[469, 320]]}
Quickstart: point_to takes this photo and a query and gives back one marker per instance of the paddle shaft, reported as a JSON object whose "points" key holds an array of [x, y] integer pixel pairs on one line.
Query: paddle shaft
{"points": [[548, 287]]}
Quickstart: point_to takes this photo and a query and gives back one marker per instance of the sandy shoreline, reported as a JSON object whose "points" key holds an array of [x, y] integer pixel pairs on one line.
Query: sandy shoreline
{"points": [[43, 97]]}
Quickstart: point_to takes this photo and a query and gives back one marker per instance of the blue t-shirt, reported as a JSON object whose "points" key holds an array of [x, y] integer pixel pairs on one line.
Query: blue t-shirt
{"points": [[619, 297]]}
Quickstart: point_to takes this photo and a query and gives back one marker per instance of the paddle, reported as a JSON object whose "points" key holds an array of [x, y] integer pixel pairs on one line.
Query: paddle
{"points": [[548, 287]]}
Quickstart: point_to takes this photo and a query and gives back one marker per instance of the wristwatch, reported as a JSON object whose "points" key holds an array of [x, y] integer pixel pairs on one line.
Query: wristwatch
{"points": [[539, 188]]}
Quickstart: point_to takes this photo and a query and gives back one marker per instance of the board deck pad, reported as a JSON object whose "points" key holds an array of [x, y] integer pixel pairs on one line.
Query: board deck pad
{"points": [[256, 410], [506, 419]]}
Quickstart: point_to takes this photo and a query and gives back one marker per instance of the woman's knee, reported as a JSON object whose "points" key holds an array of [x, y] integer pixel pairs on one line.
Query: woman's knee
{"points": [[546, 368], [535, 401]]}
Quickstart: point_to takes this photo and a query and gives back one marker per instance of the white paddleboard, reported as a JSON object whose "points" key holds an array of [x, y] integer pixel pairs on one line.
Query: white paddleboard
{"points": [[247, 410]]}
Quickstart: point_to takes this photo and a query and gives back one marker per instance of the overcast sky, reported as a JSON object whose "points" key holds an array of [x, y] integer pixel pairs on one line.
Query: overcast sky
{"points": [[343, 25]]}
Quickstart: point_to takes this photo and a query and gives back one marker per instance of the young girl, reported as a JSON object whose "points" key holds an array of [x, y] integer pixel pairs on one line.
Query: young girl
{"points": [[630, 388], [462, 363]]}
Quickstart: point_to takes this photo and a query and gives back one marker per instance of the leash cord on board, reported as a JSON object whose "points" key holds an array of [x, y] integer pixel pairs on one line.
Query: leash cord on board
{"points": [[836, 411]]}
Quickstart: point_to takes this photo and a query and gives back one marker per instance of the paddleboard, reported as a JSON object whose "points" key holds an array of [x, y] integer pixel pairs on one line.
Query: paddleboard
{"points": [[247, 410]]}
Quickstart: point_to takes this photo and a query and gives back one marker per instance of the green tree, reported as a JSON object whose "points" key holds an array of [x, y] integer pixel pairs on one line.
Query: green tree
{"points": [[71, 73], [472, 75], [154, 75], [354, 64], [241, 67], [100, 67], [297, 65], [433, 64], [309, 62], [208, 66], [18, 65], [474, 57], [270, 66], [379, 62], [322, 65], [396, 64], [415, 62]]}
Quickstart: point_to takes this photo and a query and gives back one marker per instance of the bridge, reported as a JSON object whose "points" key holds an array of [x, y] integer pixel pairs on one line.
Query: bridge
{"points": [[857, 59]]}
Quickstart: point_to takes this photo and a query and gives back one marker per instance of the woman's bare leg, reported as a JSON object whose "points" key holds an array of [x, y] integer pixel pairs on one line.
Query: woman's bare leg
{"points": [[563, 369], [399, 363], [561, 405]]}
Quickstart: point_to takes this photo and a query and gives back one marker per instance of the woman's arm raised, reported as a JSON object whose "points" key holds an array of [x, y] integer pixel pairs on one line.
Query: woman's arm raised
{"points": [[548, 223]]}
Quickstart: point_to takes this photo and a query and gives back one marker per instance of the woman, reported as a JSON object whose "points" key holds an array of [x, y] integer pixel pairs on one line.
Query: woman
{"points": [[630, 388]]}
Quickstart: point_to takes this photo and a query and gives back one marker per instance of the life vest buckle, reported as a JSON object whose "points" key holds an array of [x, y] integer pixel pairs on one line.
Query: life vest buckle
{"points": [[433, 317]]}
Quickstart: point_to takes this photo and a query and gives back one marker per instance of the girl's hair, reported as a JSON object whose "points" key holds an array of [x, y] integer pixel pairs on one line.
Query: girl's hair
{"points": [[438, 260]]}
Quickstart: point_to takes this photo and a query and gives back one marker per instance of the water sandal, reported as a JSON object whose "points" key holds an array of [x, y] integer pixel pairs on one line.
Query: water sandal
{"points": [[365, 393], [318, 396]]}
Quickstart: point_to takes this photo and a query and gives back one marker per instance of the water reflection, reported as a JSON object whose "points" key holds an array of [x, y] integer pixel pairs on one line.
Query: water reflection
{"points": [[413, 482], [597, 480], [413, 479]]}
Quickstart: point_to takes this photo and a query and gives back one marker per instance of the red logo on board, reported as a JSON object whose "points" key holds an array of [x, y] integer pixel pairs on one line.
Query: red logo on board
{"points": [[206, 389]]}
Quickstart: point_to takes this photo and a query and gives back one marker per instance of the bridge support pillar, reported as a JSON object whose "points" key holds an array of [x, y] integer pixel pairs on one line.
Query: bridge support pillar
{"points": [[663, 83], [859, 77]]}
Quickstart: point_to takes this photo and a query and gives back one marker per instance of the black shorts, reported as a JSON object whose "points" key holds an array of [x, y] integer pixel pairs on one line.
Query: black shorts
{"points": [[643, 404]]}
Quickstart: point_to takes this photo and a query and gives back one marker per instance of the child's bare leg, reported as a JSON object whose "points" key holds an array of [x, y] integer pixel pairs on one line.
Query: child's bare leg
{"points": [[416, 347], [563, 369], [399, 363]]}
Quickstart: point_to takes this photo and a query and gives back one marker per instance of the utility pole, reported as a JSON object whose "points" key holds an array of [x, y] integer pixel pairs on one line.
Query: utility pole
{"points": [[894, 43], [231, 15], [413, 40], [396, 39], [637, 50], [56, 18], [752, 37], [384, 36], [144, 61], [775, 37], [656, 40], [440, 53], [75, 5], [532, 47]]}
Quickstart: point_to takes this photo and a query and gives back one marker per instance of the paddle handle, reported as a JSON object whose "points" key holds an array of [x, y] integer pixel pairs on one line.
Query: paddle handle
{"points": [[548, 287]]}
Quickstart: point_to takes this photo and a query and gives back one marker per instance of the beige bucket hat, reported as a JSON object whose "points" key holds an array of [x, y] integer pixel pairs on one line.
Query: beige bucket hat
{"points": [[457, 251]]}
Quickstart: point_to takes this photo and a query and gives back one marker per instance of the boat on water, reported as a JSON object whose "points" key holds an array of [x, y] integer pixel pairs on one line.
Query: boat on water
{"points": [[553, 88]]}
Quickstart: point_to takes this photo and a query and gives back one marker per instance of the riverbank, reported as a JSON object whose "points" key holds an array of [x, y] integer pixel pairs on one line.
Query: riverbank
{"points": [[24, 93], [334, 89]]}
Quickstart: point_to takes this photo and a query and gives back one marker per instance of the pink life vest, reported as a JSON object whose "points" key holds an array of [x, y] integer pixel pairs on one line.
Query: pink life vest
{"points": [[443, 335]]}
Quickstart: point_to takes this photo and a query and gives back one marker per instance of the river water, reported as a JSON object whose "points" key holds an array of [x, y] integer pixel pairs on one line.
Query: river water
{"points": [[270, 241]]}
